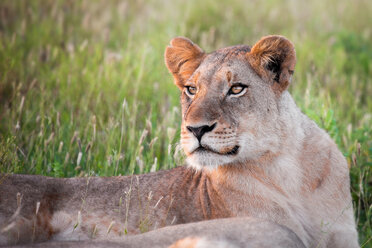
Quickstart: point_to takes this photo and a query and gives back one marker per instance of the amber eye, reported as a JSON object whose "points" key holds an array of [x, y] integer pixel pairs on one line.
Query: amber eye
{"points": [[237, 89], [191, 90]]}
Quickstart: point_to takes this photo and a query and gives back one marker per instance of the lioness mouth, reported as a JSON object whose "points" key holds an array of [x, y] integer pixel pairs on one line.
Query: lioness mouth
{"points": [[233, 151]]}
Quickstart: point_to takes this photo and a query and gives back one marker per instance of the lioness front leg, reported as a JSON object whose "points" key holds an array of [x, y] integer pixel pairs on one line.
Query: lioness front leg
{"points": [[221, 233]]}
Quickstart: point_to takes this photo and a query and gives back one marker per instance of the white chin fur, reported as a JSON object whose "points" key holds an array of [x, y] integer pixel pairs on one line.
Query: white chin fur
{"points": [[207, 160], [251, 148]]}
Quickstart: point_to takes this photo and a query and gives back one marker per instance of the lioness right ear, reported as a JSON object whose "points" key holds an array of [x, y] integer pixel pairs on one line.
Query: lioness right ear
{"points": [[274, 58], [182, 58]]}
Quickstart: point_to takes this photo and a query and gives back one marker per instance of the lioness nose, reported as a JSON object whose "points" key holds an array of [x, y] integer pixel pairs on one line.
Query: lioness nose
{"points": [[200, 131]]}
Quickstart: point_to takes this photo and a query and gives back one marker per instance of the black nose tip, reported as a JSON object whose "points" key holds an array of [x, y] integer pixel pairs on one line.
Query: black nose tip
{"points": [[200, 131]]}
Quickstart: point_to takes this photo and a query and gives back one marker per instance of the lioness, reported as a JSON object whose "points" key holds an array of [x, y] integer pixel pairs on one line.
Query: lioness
{"points": [[250, 152]]}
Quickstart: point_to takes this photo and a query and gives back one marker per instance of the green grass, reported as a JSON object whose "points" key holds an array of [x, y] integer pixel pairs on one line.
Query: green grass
{"points": [[84, 90]]}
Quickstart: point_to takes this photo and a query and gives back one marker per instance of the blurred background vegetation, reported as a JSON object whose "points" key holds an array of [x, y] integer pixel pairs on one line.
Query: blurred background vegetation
{"points": [[84, 89]]}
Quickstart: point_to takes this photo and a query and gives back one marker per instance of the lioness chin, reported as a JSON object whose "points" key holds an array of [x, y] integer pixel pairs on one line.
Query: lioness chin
{"points": [[250, 152]]}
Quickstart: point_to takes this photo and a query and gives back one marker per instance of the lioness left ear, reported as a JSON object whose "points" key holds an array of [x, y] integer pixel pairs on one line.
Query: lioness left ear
{"points": [[274, 59], [182, 58]]}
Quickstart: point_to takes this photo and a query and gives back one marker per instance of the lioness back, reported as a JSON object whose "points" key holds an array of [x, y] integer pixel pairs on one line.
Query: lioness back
{"points": [[37, 208]]}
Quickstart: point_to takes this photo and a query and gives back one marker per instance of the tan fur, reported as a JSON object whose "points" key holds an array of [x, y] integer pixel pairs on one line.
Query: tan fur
{"points": [[260, 157], [220, 233], [182, 57], [278, 51]]}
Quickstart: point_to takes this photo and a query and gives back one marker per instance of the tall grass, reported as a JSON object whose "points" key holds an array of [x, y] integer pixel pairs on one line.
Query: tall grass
{"points": [[84, 90]]}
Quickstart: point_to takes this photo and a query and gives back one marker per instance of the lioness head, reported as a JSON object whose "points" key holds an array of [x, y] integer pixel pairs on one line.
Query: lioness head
{"points": [[230, 99]]}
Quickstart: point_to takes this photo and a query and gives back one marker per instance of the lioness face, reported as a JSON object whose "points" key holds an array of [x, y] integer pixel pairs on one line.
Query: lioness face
{"points": [[229, 100], [225, 109]]}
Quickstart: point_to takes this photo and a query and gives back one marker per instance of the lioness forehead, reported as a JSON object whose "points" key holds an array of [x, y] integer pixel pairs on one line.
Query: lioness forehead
{"points": [[233, 50], [220, 62]]}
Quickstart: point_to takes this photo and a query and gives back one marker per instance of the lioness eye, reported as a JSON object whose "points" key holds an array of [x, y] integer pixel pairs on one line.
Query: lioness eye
{"points": [[237, 89], [191, 90]]}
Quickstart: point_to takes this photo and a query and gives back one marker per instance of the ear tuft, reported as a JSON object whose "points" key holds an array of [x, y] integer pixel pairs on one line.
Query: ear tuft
{"points": [[182, 58], [274, 59]]}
